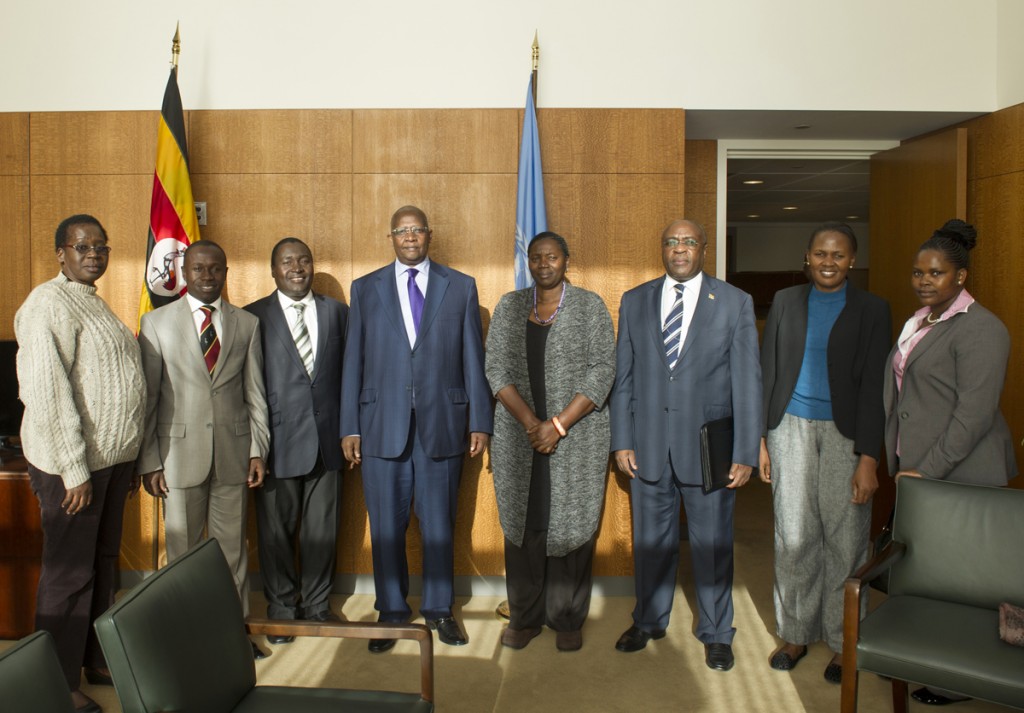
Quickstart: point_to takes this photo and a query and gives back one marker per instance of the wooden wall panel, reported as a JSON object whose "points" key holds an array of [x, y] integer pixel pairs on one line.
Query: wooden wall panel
{"points": [[611, 140], [313, 141], [14, 212], [702, 193], [14, 144], [997, 211], [997, 143], [249, 213], [915, 188], [435, 141], [101, 142], [121, 203]]}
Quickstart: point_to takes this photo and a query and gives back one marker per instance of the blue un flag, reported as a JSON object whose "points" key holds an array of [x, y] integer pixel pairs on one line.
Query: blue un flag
{"points": [[531, 216]]}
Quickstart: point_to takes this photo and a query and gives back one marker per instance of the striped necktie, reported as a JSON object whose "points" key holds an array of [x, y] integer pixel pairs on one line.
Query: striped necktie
{"points": [[301, 336], [208, 341], [673, 329]]}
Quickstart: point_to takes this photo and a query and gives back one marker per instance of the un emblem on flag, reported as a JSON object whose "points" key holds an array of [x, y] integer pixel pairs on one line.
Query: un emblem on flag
{"points": [[164, 272]]}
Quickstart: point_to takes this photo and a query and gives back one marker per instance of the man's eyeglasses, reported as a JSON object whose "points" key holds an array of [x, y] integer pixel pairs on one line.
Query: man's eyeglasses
{"points": [[83, 249], [688, 243], [416, 232]]}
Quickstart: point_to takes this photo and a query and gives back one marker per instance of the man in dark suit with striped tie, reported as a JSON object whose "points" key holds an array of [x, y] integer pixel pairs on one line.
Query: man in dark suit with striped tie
{"points": [[686, 354], [303, 338]]}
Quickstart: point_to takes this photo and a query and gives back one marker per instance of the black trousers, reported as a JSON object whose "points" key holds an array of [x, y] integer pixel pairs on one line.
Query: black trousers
{"points": [[78, 577], [547, 590], [297, 526]]}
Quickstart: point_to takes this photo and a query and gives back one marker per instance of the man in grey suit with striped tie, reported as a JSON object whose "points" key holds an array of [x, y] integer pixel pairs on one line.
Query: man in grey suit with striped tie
{"points": [[297, 509], [686, 354]]}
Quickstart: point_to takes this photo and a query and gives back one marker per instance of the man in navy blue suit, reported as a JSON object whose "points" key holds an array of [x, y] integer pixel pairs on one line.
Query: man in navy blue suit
{"points": [[413, 395], [686, 354]]}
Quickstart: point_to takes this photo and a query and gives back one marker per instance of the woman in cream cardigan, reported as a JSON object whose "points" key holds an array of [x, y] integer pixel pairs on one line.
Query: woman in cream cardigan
{"points": [[550, 363]]}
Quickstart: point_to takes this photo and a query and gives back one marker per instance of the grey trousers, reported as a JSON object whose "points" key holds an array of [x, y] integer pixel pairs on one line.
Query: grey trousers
{"points": [[821, 537]]}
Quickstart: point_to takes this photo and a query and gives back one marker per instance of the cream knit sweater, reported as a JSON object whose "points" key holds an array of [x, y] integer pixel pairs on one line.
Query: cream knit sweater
{"points": [[80, 378]]}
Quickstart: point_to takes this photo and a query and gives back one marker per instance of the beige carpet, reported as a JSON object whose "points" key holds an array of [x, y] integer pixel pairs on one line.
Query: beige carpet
{"points": [[669, 674]]}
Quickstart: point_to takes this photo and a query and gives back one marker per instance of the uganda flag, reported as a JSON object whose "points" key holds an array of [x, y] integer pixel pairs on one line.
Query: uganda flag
{"points": [[172, 214]]}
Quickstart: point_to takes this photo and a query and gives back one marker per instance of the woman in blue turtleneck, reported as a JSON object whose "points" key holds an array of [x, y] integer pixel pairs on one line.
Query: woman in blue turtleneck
{"points": [[822, 359]]}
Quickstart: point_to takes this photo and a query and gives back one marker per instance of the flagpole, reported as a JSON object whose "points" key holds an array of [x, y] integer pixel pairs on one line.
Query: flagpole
{"points": [[176, 45], [536, 63]]}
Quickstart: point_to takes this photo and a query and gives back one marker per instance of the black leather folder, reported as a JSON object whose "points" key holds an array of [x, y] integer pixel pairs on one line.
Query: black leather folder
{"points": [[716, 454]]}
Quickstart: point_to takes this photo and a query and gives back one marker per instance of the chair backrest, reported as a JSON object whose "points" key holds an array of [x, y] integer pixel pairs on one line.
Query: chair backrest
{"points": [[965, 543], [31, 679], [176, 642]]}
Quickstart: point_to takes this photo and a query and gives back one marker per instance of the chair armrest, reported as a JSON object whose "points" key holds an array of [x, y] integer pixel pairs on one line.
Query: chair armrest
{"points": [[853, 593], [358, 630]]}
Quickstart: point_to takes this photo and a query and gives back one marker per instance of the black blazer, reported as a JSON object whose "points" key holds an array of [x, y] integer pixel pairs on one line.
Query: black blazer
{"points": [[305, 412], [857, 347]]}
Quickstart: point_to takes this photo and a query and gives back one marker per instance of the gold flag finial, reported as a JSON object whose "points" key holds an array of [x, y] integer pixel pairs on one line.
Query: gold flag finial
{"points": [[536, 52], [176, 45]]}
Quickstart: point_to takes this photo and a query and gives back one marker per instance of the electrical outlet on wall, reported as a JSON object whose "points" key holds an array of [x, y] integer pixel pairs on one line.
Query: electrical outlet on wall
{"points": [[201, 212]]}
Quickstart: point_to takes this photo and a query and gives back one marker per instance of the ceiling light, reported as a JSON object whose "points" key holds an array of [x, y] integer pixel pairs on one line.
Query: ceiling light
{"points": [[789, 207], [754, 215], [753, 182], [852, 217]]}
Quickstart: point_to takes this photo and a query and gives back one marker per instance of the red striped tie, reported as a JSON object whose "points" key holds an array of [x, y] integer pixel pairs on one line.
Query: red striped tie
{"points": [[208, 340]]}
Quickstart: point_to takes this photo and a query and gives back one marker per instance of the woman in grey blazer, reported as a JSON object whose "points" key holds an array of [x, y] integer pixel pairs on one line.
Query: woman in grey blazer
{"points": [[822, 361], [944, 380], [550, 362]]}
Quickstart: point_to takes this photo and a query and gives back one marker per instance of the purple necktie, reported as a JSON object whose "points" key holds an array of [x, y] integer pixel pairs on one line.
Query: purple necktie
{"points": [[415, 299]]}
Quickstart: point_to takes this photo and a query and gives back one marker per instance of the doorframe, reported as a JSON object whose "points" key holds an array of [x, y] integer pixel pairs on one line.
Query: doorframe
{"points": [[808, 149]]}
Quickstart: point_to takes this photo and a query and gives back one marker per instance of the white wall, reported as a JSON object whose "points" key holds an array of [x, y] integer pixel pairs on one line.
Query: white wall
{"points": [[1010, 59], [908, 55], [770, 247]]}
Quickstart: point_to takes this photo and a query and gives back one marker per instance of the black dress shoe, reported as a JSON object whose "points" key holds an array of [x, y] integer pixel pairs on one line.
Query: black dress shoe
{"points": [[257, 652], [380, 646], [718, 656], [931, 698], [275, 639], [634, 639], [96, 677], [782, 661], [323, 616], [448, 631]]}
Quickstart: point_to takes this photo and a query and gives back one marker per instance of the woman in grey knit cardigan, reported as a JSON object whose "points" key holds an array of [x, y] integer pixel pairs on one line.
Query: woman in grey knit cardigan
{"points": [[550, 363], [80, 378]]}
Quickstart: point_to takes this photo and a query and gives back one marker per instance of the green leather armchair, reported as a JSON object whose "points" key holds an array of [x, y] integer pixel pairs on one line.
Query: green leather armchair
{"points": [[177, 642], [31, 680], [957, 552]]}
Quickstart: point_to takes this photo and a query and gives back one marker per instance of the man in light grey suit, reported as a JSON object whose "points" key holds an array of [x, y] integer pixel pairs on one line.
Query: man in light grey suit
{"points": [[686, 354], [206, 432], [303, 338]]}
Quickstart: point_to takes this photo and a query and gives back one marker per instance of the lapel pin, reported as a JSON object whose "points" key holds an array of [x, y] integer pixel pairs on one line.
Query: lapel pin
{"points": [[711, 296]]}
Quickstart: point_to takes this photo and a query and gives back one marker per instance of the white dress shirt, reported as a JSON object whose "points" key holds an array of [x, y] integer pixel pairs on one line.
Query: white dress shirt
{"points": [[691, 294], [402, 282], [198, 315], [308, 316]]}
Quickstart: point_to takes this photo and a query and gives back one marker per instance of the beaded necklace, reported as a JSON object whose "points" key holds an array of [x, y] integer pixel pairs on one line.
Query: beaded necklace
{"points": [[554, 314]]}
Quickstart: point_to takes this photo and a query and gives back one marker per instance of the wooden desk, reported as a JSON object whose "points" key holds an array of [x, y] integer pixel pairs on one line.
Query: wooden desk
{"points": [[21, 549]]}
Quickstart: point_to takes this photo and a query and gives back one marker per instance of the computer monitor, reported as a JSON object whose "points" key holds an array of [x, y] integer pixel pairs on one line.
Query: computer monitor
{"points": [[11, 408]]}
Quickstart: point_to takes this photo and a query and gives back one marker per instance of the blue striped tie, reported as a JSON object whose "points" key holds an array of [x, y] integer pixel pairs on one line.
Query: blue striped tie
{"points": [[673, 329]]}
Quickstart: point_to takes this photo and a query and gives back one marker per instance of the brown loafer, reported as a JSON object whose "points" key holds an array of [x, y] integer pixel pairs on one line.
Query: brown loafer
{"points": [[569, 640], [518, 638]]}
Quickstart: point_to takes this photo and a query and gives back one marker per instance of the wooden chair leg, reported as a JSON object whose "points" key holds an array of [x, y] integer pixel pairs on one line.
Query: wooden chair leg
{"points": [[848, 694], [900, 696]]}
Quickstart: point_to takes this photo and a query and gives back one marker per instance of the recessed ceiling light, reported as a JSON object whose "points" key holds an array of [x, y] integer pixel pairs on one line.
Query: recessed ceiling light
{"points": [[789, 207], [852, 217], [753, 182], [754, 215], [800, 127]]}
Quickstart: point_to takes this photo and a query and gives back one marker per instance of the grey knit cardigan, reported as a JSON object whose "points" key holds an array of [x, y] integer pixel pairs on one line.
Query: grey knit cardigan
{"points": [[579, 358]]}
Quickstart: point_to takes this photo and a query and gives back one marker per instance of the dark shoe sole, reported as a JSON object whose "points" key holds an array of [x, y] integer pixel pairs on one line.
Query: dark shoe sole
{"points": [[380, 646]]}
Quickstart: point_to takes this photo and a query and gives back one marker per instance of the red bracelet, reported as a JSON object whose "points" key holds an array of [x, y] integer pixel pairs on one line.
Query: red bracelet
{"points": [[558, 426]]}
